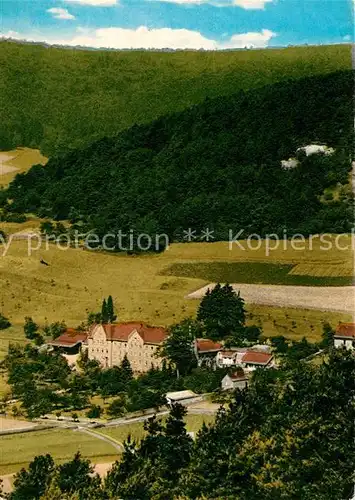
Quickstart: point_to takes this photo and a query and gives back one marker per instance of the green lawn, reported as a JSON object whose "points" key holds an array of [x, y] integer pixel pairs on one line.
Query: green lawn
{"points": [[17, 450], [136, 430]]}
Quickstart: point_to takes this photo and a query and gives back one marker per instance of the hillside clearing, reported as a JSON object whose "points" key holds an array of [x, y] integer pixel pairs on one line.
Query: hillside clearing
{"points": [[18, 161]]}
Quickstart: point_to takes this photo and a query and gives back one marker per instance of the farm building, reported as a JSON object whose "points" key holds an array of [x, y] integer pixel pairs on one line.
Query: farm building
{"points": [[182, 397], [345, 336], [206, 351], [235, 380], [69, 342], [247, 358]]}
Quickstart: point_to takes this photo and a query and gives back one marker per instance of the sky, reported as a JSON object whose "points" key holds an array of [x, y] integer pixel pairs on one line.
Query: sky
{"points": [[194, 24]]}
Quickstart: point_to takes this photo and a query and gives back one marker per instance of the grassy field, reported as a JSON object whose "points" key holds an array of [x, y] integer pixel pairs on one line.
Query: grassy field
{"points": [[18, 450], [136, 430], [265, 273], [104, 92], [19, 160], [76, 281]]}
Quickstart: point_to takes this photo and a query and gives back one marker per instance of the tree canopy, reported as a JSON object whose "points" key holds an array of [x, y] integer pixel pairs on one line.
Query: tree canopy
{"points": [[216, 165], [288, 435]]}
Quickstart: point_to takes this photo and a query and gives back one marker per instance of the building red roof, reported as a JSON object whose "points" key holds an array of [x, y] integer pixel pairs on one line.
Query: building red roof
{"points": [[229, 354], [238, 375], [345, 330], [69, 338], [121, 332], [258, 358], [207, 345]]}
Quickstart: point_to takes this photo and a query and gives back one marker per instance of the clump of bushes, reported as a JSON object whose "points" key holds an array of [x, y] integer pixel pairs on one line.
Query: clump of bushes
{"points": [[4, 322]]}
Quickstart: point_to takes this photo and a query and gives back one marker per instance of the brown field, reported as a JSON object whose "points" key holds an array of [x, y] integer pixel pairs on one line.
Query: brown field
{"points": [[339, 298], [17, 161]]}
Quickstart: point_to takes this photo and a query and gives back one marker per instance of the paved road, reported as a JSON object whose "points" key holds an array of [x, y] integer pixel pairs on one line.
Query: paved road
{"points": [[322, 298]]}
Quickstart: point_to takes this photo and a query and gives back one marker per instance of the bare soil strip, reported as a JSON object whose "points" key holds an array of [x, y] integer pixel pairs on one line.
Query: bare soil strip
{"points": [[7, 423], [341, 299]]}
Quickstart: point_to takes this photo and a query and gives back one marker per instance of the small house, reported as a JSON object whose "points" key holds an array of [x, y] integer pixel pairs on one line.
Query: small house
{"points": [[256, 359], [235, 380], [345, 336], [69, 342], [205, 351]]}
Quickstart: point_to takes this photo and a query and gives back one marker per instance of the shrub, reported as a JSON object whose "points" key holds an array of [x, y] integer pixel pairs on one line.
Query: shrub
{"points": [[4, 322]]}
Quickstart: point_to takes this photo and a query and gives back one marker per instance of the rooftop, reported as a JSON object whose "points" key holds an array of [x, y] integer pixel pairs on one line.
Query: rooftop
{"points": [[207, 345], [69, 338], [345, 330], [180, 395], [238, 375], [258, 358], [122, 331]]}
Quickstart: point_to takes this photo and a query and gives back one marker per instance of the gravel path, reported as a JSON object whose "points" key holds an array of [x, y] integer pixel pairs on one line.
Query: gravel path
{"points": [[107, 439], [334, 298]]}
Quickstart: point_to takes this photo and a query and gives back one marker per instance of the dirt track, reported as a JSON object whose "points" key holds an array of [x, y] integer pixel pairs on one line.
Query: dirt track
{"points": [[341, 299], [8, 423]]}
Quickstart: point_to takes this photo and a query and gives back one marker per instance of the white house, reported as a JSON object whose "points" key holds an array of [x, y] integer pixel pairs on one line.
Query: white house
{"points": [[232, 381], [345, 336], [257, 359], [247, 358], [206, 351], [233, 357]]}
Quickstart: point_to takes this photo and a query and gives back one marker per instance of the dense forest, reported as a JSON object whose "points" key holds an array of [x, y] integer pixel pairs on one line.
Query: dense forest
{"points": [[56, 98], [216, 165], [288, 436]]}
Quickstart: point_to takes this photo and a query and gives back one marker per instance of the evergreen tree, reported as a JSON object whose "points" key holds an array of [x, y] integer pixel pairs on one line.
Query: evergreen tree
{"points": [[178, 347], [104, 312], [327, 337], [4, 322], [152, 469], [75, 476], [110, 310], [222, 312], [32, 483], [126, 370], [30, 328]]}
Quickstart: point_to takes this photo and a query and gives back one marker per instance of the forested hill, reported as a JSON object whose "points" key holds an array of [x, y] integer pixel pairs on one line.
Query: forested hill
{"points": [[215, 165], [55, 98]]}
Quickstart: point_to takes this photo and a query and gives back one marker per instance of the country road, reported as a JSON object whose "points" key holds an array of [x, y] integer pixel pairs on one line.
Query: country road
{"points": [[118, 446], [331, 298]]}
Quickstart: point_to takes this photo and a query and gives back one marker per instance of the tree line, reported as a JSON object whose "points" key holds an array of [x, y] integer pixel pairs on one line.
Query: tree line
{"points": [[216, 165]]}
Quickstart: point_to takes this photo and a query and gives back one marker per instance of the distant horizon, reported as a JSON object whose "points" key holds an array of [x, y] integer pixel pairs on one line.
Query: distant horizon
{"points": [[179, 24], [168, 49]]}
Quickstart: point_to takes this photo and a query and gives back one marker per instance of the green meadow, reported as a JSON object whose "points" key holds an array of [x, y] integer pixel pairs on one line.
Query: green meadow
{"points": [[17, 450], [261, 273], [76, 281]]}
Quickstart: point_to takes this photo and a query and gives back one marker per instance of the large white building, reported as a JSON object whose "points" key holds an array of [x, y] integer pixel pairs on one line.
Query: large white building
{"points": [[109, 343]]}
